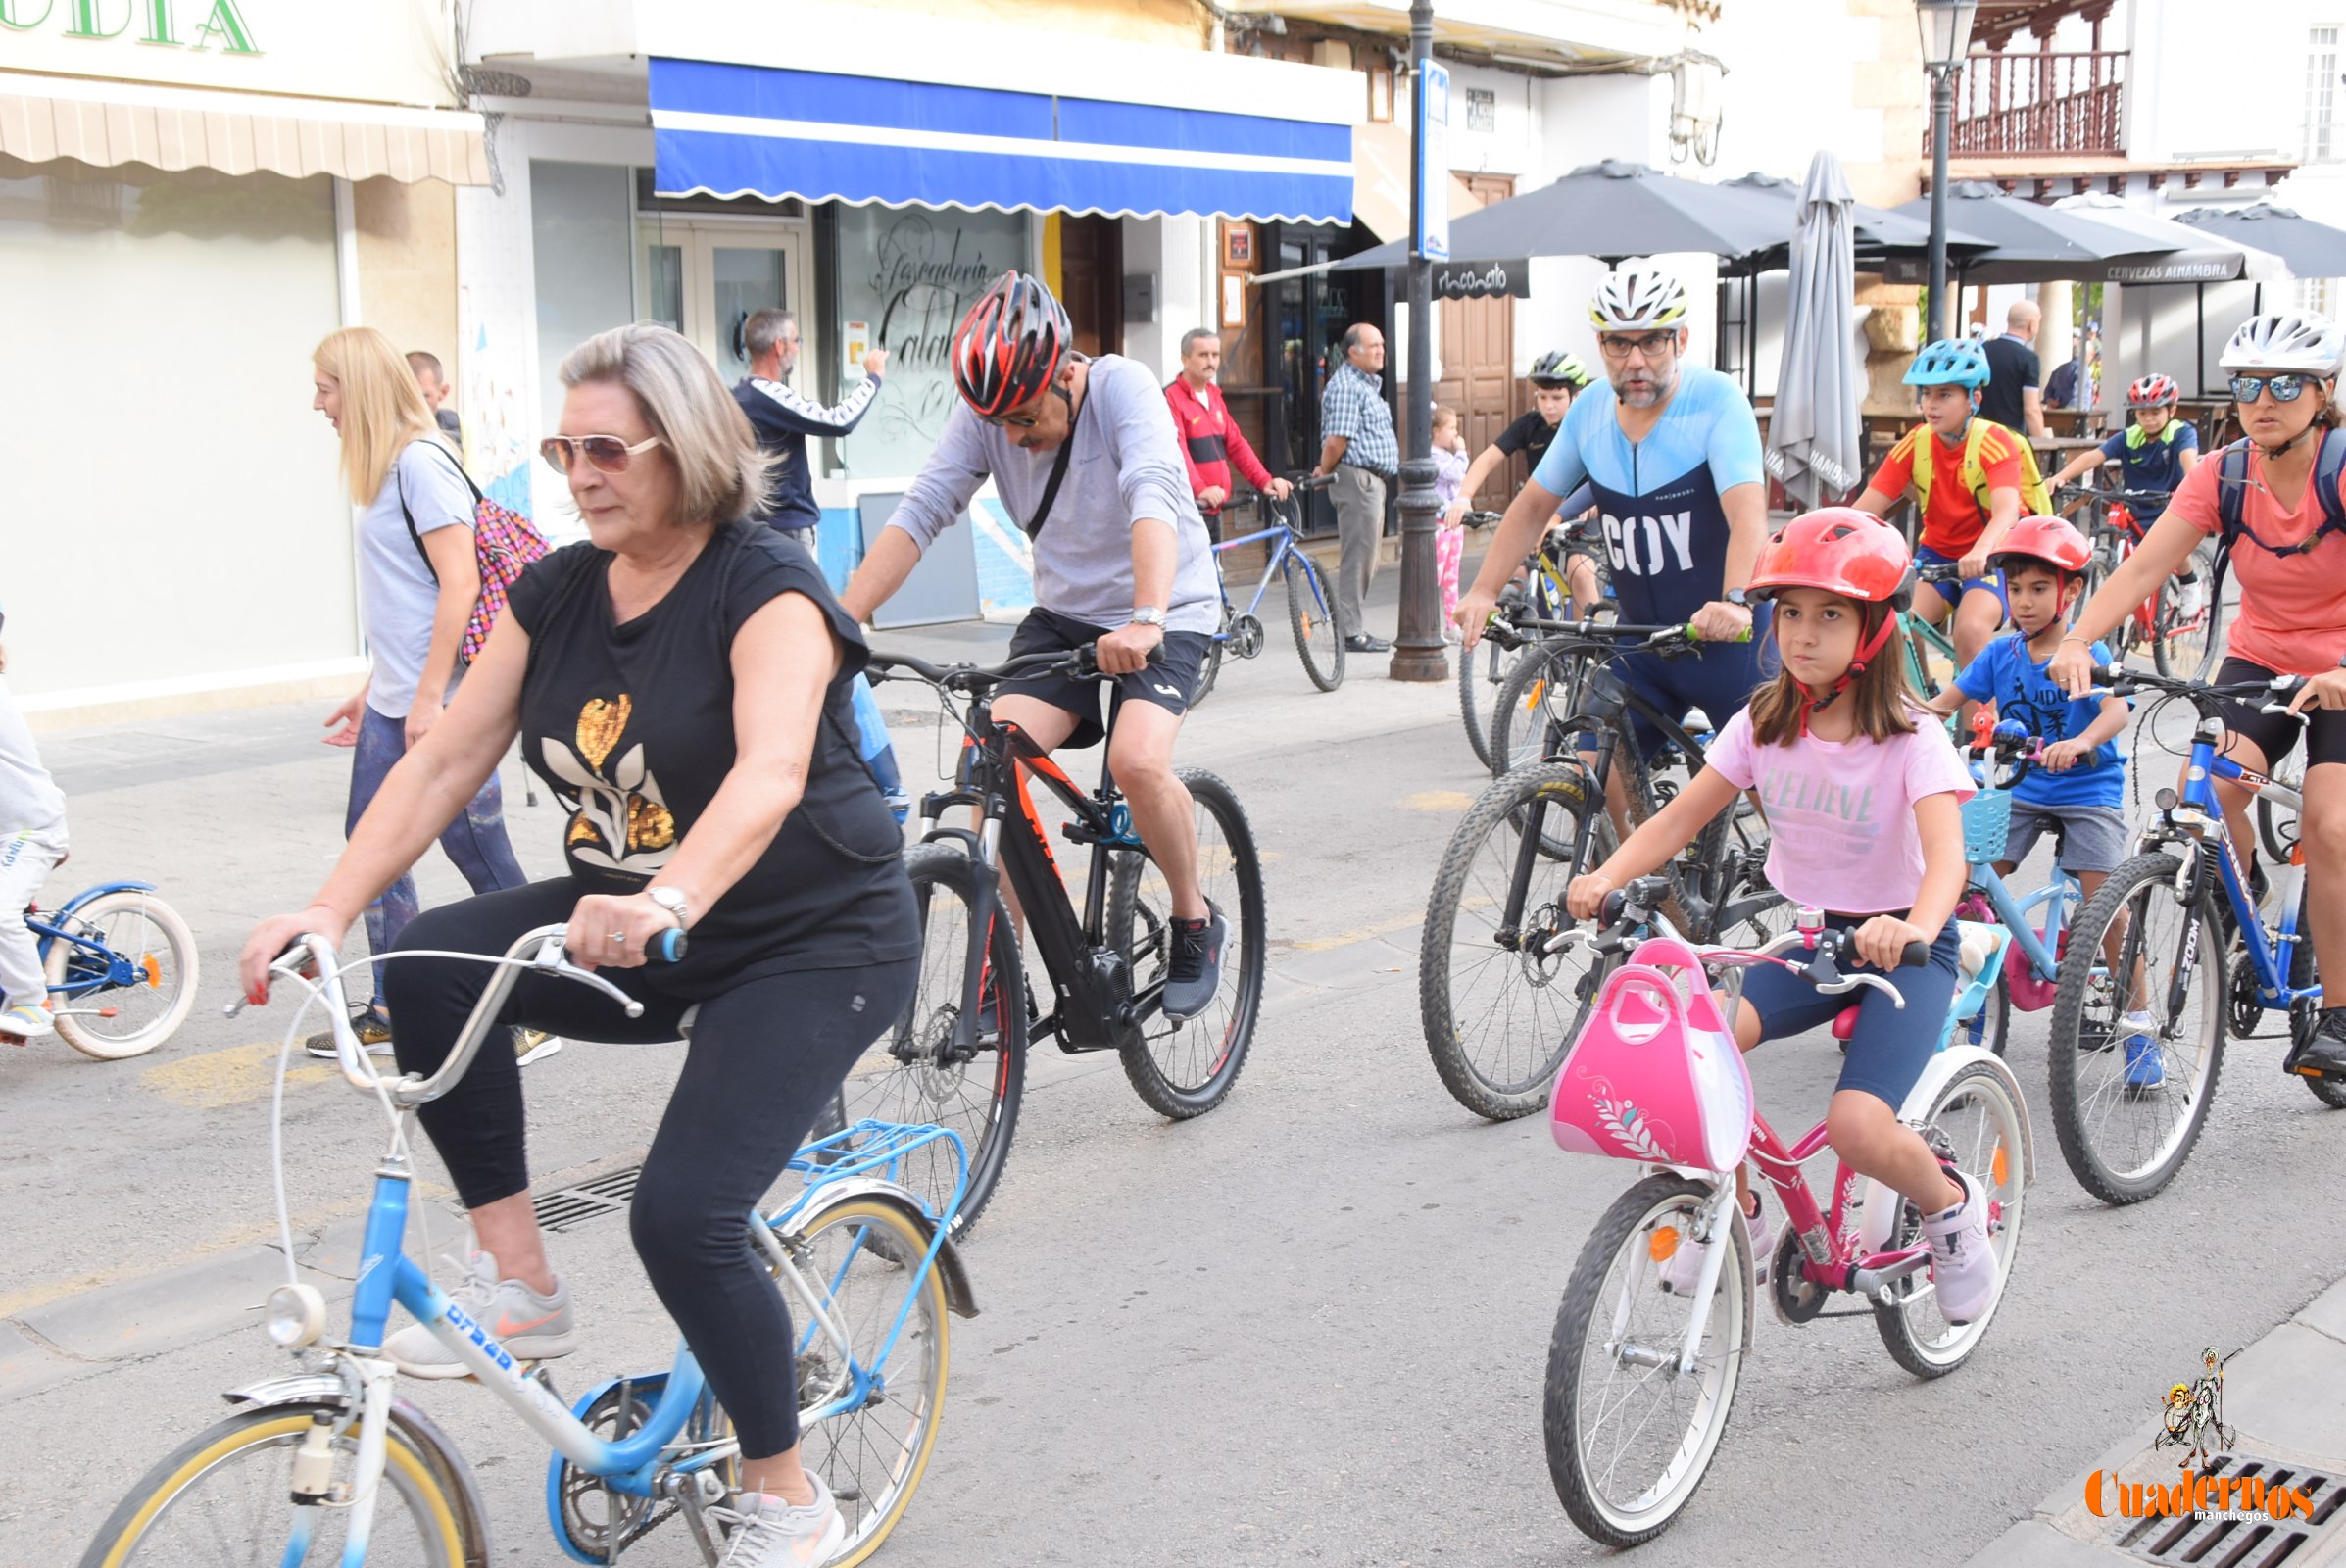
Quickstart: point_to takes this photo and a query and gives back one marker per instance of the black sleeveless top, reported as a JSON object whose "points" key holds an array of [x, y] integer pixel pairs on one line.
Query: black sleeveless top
{"points": [[631, 726]]}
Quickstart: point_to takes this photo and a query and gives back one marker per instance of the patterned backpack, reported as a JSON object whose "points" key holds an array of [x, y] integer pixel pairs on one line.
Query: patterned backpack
{"points": [[502, 543]]}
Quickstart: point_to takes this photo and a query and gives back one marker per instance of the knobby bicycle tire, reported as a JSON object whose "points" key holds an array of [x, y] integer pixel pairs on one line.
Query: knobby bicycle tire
{"points": [[903, 1078], [1546, 684], [1187, 1069], [2076, 1045], [1480, 674], [163, 1521], [2189, 654], [1312, 618], [1454, 959]]}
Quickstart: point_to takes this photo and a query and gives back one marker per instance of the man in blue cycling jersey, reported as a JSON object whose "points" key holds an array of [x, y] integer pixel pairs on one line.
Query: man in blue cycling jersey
{"points": [[1671, 451]]}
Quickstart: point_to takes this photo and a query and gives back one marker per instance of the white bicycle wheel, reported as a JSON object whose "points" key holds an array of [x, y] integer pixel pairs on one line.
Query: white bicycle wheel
{"points": [[115, 1018]]}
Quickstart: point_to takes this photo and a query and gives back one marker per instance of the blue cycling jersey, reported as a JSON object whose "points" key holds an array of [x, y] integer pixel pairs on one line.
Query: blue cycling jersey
{"points": [[1659, 498], [2151, 464]]}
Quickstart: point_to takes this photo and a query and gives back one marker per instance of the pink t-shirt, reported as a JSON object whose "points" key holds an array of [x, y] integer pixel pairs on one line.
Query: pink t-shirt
{"points": [[1840, 813]]}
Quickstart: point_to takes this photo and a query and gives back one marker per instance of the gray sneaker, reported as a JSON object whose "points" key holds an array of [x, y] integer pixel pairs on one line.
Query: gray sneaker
{"points": [[769, 1533], [531, 1327], [1196, 972]]}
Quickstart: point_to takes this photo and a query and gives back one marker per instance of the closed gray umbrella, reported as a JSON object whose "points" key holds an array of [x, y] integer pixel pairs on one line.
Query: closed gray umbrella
{"points": [[1813, 434]]}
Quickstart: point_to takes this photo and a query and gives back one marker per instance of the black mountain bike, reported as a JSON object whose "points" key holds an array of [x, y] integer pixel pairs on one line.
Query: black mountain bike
{"points": [[957, 1057], [1501, 995]]}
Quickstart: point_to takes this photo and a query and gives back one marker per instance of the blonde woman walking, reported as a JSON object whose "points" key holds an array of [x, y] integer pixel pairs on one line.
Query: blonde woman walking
{"points": [[417, 583]]}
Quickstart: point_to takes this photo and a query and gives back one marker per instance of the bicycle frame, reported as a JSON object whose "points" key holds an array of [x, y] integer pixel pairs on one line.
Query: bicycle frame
{"points": [[2199, 816], [51, 931], [1276, 558], [1089, 1015], [639, 1464]]}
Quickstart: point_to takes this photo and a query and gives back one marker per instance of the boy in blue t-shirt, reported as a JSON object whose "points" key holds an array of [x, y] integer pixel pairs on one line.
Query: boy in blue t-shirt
{"points": [[2078, 785]]}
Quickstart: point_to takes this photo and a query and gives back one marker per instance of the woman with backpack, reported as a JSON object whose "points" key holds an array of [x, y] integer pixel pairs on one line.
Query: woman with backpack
{"points": [[419, 585], [2276, 499]]}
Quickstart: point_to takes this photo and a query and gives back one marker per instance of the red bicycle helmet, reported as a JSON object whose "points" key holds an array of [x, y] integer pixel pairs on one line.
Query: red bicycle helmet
{"points": [[1843, 551], [2054, 541], [2152, 391], [1010, 345]]}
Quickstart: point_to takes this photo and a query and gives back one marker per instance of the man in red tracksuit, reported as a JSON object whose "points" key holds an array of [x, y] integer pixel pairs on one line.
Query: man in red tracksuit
{"points": [[1211, 441]]}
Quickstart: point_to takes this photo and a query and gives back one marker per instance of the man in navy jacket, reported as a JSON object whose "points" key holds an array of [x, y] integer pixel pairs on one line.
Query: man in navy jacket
{"points": [[784, 421]]}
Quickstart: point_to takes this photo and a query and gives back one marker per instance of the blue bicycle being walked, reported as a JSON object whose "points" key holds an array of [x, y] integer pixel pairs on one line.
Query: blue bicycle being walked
{"points": [[329, 1465], [1310, 611], [2173, 914]]}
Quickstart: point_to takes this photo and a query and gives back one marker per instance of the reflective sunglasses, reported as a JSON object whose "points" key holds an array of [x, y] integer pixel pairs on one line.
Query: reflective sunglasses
{"points": [[605, 454], [1653, 345], [2285, 388]]}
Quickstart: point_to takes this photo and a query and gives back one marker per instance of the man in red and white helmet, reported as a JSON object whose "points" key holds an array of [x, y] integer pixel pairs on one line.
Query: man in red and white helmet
{"points": [[1083, 456]]}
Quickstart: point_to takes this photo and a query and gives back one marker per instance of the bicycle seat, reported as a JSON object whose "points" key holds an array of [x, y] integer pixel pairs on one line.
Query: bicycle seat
{"points": [[1844, 1022]]}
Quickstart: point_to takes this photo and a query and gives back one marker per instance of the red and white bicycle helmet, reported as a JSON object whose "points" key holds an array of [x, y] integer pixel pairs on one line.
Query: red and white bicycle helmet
{"points": [[2052, 540], [2153, 391], [1843, 551], [1010, 345], [1846, 552]]}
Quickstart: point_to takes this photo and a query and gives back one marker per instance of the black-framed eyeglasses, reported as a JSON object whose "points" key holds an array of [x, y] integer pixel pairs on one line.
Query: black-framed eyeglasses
{"points": [[605, 454], [2286, 388], [1653, 345]]}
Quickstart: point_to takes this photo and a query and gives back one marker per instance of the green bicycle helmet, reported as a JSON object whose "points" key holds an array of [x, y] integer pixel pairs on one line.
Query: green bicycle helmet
{"points": [[1559, 368]]}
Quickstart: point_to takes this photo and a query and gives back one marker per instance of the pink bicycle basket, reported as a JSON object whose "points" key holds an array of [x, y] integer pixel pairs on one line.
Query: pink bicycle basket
{"points": [[1655, 1075]]}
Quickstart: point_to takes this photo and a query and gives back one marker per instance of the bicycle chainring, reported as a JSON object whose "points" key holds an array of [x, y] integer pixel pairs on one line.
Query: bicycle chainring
{"points": [[1246, 636], [602, 1522], [2247, 1008], [1797, 1298]]}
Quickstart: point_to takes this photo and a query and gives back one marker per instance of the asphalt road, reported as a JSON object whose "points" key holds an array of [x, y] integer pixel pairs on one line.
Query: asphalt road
{"points": [[1308, 1328]]}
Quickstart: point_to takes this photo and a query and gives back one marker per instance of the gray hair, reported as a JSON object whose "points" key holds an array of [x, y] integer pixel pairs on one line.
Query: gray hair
{"points": [[1189, 339], [720, 472], [762, 333], [1351, 338]]}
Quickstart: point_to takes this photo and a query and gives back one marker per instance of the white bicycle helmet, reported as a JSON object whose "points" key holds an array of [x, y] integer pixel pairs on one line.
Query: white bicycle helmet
{"points": [[2303, 341], [1633, 300]]}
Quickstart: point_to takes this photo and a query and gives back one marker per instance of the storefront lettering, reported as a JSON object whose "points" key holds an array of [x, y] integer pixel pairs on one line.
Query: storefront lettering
{"points": [[223, 28]]}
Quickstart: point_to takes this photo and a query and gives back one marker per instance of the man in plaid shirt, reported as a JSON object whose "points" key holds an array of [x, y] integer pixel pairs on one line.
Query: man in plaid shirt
{"points": [[1358, 446]]}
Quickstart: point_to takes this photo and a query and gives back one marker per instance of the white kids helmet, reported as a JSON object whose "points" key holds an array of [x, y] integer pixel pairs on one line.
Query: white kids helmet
{"points": [[1635, 299], [2303, 341]]}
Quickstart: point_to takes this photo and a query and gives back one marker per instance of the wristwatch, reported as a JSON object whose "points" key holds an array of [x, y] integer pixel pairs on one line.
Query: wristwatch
{"points": [[1149, 616], [673, 900], [1737, 598]]}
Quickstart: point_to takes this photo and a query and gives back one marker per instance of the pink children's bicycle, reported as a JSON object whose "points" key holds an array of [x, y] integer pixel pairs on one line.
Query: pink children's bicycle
{"points": [[1642, 1369]]}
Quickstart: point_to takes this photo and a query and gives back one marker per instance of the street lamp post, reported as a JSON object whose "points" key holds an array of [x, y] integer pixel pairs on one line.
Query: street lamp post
{"points": [[1947, 29], [1417, 653]]}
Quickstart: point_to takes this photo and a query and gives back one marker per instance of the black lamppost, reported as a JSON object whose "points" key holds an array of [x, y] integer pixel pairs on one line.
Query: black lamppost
{"points": [[1417, 653], [1946, 27]]}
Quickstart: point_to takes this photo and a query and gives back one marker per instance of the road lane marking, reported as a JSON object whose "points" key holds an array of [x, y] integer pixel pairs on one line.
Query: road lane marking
{"points": [[1438, 800], [232, 1075]]}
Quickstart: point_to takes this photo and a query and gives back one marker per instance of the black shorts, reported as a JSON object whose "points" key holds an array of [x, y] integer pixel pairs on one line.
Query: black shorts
{"points": [[2277, 734], [1168, 683]]}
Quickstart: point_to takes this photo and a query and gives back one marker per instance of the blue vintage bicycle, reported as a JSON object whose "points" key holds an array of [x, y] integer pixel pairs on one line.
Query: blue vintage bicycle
{"points": [[122, 968], [2173, 912], [329, 1465], [1310, 608]]}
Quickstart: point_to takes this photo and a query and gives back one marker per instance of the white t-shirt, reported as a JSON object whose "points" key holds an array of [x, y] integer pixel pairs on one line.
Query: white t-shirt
{"points": [[29, 800], [397, 592]]}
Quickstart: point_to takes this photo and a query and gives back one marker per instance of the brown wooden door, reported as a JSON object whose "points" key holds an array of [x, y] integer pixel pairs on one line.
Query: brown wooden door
{"points": [[1478, 364], [1092, 281]]}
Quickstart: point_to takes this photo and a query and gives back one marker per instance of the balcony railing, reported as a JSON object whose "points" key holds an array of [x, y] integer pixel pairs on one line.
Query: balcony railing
{"points": [[2034, 101]]}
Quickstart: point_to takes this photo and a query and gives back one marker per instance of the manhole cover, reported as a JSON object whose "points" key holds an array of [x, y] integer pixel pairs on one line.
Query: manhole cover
{"points": [[2238, 1535], [568, 1207]]}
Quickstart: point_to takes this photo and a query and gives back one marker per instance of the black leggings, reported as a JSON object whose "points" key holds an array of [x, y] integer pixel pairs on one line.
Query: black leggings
{"points": [[764, 1059]]}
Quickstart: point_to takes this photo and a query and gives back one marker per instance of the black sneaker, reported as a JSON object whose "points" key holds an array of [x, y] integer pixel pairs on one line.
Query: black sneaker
{"points": [[2324, 1055], [1365, 644], [1197, 971]]}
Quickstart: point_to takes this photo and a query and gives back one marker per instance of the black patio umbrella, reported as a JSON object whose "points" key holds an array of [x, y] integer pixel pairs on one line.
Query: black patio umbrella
{"points": [[2311, 249], [2033, 244], [1875, 230]]}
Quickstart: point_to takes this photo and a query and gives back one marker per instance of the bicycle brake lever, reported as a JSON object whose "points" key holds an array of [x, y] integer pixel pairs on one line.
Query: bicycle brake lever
{"points": [[552, 960]]}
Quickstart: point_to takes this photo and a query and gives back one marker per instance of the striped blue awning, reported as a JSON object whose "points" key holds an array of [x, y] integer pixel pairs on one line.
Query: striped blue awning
{"points": [[753, 130]]}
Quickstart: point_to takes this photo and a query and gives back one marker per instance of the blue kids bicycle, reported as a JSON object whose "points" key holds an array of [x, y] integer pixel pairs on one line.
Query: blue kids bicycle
{"points": [[329, 1465], [121, 969], [1310, 612], [2176, 910]]}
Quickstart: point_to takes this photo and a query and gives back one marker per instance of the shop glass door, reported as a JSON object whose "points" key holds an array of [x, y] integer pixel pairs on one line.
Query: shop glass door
{"points": [[706, 277]]}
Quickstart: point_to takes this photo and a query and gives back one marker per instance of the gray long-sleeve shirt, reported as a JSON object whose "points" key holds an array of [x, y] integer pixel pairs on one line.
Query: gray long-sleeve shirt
{"points": [[1125, 467]]}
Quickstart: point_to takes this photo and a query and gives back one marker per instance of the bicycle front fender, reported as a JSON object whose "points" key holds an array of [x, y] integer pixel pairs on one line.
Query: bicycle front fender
{"points": [[1881, 1205], [87, 895], [958, 1297], [423, 1434]]}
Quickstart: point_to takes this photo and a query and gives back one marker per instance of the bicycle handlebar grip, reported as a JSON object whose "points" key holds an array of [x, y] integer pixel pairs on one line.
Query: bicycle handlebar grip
{"points": [[668, 947], [1916, 956]]}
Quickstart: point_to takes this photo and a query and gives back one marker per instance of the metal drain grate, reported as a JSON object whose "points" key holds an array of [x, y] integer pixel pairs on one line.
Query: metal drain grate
{"points": [[568, 1207], [2259, 1542]]}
